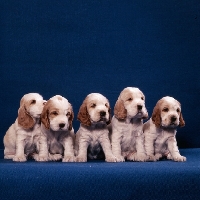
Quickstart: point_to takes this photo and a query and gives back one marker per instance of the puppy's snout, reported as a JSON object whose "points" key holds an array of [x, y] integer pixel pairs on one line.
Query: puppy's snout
{"points": [[139, 107], [102, 113], [61, 125], [173, 119]]}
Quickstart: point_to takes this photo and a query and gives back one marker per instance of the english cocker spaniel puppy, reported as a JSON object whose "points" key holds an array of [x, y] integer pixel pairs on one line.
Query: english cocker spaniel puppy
{"points": [[92, 136], [160, 130], [21, 139], [57, 135], [127, 138]]}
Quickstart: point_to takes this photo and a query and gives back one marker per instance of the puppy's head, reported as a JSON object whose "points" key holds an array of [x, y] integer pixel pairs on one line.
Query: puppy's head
{"points": [[167, 113], [57, 114], [131, 103], [31, 106], [95, 109]]}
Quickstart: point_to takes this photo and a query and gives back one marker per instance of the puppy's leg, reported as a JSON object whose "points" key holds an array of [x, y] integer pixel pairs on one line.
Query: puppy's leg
{"points": [[82, 153], [172, 146], [20, 142], [106, 146], [43, 150], [68, 150]]}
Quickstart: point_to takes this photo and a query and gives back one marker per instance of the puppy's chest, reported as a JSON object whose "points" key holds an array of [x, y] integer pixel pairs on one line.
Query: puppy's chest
{"points": [[55, 146], [33, 135], [162, 137]]}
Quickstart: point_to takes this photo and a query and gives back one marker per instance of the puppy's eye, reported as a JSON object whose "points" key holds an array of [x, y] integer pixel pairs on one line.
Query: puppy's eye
{"points": [[54, 113], [142, 98], [165, 110], [130, 99], [178, 110], [68, 114], [93, 105], [33, 101], [106, 105]]}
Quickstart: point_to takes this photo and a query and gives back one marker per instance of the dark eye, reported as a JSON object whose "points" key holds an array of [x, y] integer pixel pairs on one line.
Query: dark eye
{"points": [[130, 99], [142, 98], [93, 105], [33, 101], [165, 110], [106, 105], [178, 110], [68, 114], [54, 113]]}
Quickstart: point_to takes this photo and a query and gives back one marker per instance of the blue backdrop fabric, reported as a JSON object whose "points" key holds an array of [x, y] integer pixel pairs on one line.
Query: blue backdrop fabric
{"points": [[74, 48]]}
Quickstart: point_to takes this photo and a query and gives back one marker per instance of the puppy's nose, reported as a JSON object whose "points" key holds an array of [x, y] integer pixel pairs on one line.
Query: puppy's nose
{"points": [[62, 125], [102, 113], [173, 119], [139, 107]]}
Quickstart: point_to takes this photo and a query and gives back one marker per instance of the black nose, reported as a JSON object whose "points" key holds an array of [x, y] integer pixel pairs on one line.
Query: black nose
{"points": [[173, 119], [139, 107], [102, 113], [62, 125]]}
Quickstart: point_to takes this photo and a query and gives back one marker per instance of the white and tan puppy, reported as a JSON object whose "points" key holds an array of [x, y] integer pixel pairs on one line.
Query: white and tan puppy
{"points": [[127, 138], [21, 139], [57, 135], [92, 136], [160, 130]]}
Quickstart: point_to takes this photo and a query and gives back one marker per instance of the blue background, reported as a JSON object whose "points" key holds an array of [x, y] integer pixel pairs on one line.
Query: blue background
{"points": [[74, 48]]}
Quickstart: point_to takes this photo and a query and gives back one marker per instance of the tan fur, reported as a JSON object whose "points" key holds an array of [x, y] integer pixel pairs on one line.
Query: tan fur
{"points": [[119, 110], [156, 118], [45, 114], [83, 115]]}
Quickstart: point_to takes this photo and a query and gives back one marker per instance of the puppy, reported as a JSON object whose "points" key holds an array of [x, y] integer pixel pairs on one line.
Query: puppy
{"points": [[92, 136], [21, 139], [160, 130], [57, 135], [127, 138]]}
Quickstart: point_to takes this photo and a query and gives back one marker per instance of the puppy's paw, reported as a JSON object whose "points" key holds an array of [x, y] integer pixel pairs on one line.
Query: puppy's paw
{"points": [[179, 158], [68, 159], [9, 156], [41, 158], [120, 159], [158, 156], [151, 158], [137, 157], [111, 158], [81, 159], [21, 158], [55, 157]]}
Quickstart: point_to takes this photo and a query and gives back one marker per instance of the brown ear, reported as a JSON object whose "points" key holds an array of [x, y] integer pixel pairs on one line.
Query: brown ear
{"points": [[156, 118], [45, 116], [182, 122], [71, 119], [83, 115], [119, 110], [109, 111], [24, 118]]}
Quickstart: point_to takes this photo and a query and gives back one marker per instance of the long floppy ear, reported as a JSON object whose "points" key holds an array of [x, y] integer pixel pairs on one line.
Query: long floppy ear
{"points": [[119, 110], [45, 116], [24, 118], [182, 122], [83, 115], [71, 119], [156, 118], [109, 111]]}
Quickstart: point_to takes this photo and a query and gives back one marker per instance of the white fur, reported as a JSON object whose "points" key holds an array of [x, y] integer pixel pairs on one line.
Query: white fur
{"points": [[161, 141], [127, 137], [18, 141]]}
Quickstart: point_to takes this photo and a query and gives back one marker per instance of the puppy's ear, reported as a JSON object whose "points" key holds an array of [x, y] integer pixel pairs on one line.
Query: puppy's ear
{"points": [[71, 119], [156, 117], [109, 111], [45, 115], [119, 110], [182, 122], [83, 115], [24, 118]]}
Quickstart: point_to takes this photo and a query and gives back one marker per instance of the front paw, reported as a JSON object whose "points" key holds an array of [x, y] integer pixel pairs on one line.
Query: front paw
{"points": [[179, 158], [41, 158], [111, 158], [151, 158], [55, 157], [137, 157], [21, 158], [158, 156], [68, 159], [120, 158], [81, 159]]}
